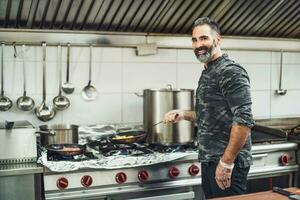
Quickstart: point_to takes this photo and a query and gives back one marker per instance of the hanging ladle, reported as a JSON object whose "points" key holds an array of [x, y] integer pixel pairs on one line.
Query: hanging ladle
{"points": [[5, 102], [89, 92], [24, 102], [280, 91], [60, 102], [44, 112], [68, 87]]}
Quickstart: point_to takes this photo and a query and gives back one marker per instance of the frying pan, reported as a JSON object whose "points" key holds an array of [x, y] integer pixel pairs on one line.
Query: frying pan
{"points": [[66, 149], [294, 129], [129, 137]]}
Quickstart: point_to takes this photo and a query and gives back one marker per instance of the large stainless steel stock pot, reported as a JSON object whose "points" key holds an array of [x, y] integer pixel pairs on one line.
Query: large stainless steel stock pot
{"points": [[157, 102]]}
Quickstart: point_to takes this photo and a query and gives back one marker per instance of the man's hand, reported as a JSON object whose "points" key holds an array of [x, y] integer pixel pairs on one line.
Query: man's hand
{"points": [[174, 116], [223, 174]]}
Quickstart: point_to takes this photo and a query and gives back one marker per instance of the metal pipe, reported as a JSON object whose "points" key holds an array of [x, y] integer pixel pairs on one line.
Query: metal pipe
{"points": [[134, 46], [119, 39]]}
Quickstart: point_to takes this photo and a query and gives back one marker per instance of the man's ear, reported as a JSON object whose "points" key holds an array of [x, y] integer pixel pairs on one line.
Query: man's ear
{"points": [[218, 39]]}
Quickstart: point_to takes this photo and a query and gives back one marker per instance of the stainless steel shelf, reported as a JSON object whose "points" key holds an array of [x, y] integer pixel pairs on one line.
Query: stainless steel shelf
{"points": [[20, 169]]}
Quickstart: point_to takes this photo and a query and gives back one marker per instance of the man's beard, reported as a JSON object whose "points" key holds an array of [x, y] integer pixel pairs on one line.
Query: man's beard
{"points": [[208, 55]]}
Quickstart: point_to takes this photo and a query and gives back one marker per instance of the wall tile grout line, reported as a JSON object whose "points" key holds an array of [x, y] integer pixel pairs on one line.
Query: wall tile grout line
{"points": [[122, 86]]}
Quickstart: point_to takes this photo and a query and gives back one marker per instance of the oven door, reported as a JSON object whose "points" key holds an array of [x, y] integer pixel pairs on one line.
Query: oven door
{"points": [[174, 190], [182, 193]]}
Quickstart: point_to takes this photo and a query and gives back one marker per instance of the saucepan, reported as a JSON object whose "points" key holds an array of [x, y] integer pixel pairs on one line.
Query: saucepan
{"points": [[129, 137], [58, 134]]}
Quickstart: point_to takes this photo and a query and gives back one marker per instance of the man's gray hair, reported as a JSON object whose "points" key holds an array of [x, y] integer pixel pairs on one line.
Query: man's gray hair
{"points": [[205, 20]]}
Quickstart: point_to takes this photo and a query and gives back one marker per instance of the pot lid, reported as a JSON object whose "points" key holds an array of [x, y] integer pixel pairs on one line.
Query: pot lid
{"points": [[170, 90]]}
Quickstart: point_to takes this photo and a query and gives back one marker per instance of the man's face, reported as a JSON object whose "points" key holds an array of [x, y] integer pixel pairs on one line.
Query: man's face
{"points": [[204, 44]]}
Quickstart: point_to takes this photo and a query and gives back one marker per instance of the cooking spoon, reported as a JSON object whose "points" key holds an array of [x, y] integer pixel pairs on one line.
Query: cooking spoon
{"points": [[89, 92], [163, 120], [5, 102], [280, 91], [60, 102], [44, 112], [68, 87], [24, 102]]}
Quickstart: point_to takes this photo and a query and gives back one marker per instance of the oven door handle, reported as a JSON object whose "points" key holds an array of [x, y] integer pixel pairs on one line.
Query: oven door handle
{"points": [[178, 196], [260, 155]]}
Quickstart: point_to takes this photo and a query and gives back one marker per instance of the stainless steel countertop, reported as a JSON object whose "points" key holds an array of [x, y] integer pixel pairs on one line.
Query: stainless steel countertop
{"points": [[20, 169]]}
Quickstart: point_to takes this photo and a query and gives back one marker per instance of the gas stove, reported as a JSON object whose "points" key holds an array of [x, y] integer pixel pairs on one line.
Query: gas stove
{"points": [[275, 160], [132, 174], [273, 153], [179, 178], [125, 171]]}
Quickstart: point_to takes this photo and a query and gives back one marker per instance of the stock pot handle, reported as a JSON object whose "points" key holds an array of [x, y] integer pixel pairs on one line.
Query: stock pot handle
{"points": [[139, 95], [169, 87], [46, 132]]}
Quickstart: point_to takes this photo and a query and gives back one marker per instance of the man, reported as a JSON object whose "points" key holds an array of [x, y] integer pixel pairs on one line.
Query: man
{"points": [[223, 115]]}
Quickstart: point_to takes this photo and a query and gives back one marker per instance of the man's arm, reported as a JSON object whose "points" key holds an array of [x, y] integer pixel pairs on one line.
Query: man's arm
{"points": [[175, 116], [238, 137], [235, 86], [189, 115]]}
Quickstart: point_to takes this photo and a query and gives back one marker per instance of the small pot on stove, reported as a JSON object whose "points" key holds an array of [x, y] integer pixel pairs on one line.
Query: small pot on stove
{"points": [[58, 134]]}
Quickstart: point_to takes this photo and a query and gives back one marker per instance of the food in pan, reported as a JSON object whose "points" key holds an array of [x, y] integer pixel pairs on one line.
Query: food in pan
{"points": [[64, 147], [126, 139], [121, 137], [71, 149]]}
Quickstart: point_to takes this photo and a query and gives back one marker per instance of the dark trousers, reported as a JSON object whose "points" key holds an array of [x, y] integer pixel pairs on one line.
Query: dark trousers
{"points": [[212, 190]]}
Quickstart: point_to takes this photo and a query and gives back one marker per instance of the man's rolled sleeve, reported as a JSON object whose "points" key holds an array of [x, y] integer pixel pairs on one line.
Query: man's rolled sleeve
{"points": [[235, 86], [243, 118]]}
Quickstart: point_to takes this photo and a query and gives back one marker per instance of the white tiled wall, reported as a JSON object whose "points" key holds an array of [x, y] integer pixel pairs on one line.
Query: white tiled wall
{"points": [[118, 74], [263, 68]]}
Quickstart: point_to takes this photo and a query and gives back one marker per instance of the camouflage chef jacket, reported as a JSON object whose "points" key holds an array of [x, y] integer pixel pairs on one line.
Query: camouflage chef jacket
{"points": [[222, 100]]}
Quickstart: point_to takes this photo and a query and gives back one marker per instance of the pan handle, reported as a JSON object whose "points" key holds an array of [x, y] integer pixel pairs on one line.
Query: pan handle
{"points": [[138, 94], [46, 132], [293, 129]]}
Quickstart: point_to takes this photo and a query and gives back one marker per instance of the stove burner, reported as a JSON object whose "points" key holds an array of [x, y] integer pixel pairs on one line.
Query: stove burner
{"points": [[173, 148], [52, 156], [107, 148], [263, 134]]}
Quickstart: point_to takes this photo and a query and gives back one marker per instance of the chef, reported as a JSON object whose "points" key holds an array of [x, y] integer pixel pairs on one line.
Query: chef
{"points": [[223, 115]]}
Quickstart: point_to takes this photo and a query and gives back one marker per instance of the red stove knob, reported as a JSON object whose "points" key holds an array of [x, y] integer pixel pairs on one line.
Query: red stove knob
{"points": [[143, 175], [62, 183], [173, 172], [284, 159], [86, 181], [121, 177], [194, 170]]}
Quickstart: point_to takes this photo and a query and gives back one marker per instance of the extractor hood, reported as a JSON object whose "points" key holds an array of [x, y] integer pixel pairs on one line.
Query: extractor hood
{"points": [[260, 18]]}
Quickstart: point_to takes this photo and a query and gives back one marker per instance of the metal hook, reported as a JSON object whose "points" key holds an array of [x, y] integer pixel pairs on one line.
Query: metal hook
{"points": [[15, 50]]}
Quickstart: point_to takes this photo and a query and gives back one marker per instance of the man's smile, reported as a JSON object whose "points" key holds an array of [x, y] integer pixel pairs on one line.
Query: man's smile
{"points": [[201, 52]]}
